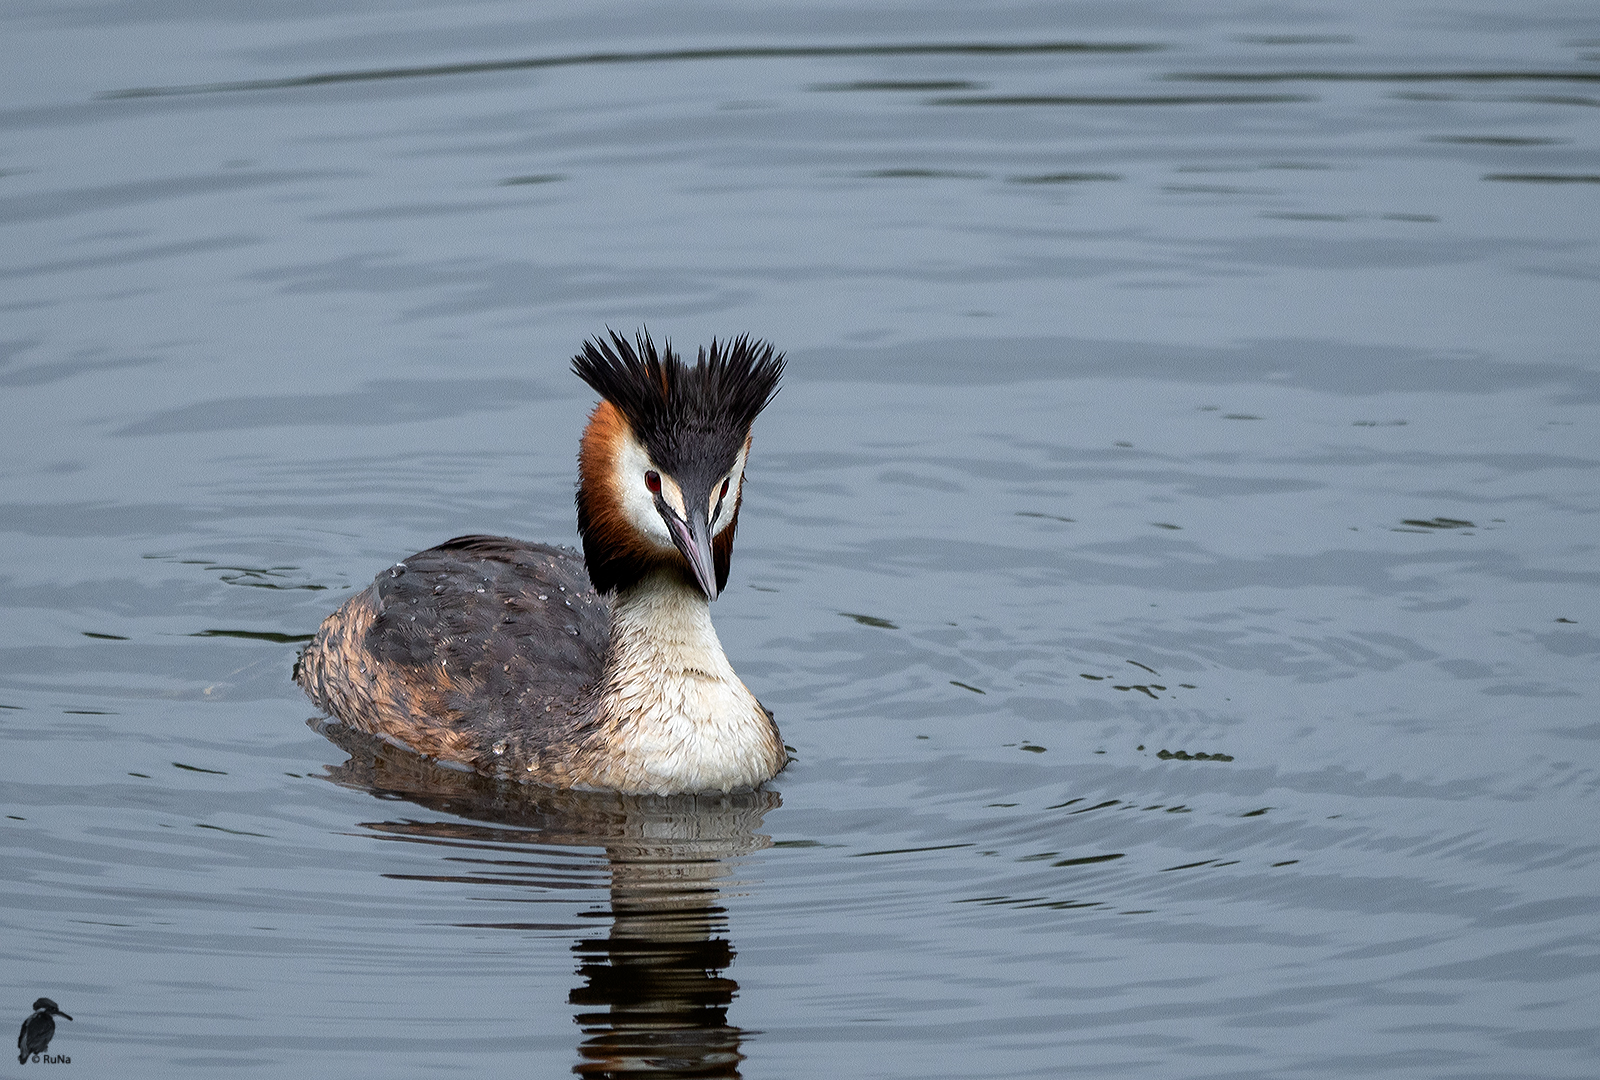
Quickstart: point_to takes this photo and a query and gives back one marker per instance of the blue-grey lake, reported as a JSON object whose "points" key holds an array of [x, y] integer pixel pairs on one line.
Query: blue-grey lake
{"points": [[1172, 556]]}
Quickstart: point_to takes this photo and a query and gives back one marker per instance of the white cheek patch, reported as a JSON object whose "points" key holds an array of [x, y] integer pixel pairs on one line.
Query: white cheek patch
{"points": [[638, 503], [672, 495], [731, 499]]}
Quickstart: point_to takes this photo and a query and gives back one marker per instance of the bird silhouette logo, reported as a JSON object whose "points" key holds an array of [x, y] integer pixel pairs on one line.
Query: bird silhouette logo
{"points": [[38, 1029]]}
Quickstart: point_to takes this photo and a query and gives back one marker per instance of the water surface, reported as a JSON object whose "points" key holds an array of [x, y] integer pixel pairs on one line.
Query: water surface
{"points": [[1171, 557]]}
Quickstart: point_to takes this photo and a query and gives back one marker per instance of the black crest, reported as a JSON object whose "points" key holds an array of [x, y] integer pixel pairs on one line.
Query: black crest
{"points": [[685, 416]]}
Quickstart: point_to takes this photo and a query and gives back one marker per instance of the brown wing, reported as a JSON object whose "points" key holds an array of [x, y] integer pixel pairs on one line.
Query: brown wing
{"points": [[479, 642]]}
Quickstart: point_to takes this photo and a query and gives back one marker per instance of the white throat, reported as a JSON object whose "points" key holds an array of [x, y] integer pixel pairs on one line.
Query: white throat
{"points": [[681, 716]]}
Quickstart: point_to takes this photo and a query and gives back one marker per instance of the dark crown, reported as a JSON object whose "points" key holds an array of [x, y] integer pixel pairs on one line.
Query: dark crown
{"points": [[685, 416]]}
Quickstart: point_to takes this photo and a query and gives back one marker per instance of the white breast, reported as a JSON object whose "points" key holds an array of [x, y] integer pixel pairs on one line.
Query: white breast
{"points": [[683, 720]]}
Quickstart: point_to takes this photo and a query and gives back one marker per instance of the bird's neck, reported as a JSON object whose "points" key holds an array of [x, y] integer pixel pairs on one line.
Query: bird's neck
{"points": [[663, 622], [672, 701]]}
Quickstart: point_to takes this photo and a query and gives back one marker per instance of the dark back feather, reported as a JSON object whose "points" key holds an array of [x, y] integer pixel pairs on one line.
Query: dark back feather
{"points": [[480, 640]]}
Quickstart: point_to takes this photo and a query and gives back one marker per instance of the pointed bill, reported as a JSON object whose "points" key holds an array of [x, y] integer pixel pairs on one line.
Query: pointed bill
{"points": [[694, 540]]}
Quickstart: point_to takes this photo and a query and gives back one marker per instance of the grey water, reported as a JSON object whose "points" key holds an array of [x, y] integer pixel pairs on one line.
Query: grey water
{"points": [[1172, 556]]}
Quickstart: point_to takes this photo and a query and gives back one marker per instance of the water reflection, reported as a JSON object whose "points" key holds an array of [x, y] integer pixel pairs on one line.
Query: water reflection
{"points": [[654, 1000], [654, 996]]}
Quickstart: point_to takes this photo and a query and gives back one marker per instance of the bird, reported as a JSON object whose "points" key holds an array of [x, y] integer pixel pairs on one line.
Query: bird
{"points": [[38, 1029], [528, 662]]}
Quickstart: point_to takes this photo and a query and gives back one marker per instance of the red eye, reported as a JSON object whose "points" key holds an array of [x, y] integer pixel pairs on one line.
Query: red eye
{"points": [[652, 480], [724, 494]]}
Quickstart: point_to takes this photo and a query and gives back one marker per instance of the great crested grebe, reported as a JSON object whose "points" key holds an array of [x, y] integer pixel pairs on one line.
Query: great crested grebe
{"points": [[507, 658]]}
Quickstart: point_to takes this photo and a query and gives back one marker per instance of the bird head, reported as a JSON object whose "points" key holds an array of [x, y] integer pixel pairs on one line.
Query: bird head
{"points": [[661, 464]]}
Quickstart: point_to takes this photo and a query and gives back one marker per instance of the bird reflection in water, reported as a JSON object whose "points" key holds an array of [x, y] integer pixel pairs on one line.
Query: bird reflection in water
{"points": [[654, 1000]]}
